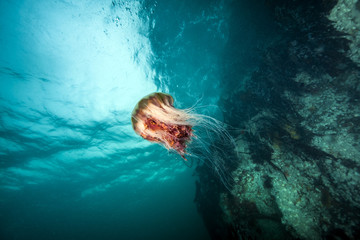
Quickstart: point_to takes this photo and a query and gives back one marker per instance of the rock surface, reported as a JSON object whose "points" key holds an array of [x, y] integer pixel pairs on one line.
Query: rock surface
{"points": [[298, 170]]}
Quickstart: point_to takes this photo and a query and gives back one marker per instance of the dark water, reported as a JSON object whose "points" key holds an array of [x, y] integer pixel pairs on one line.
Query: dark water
{"points": [[71, 72]]}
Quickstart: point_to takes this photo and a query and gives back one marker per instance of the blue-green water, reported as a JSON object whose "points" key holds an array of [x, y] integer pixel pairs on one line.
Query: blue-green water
{"points": [[282, 75], [70, 74]]}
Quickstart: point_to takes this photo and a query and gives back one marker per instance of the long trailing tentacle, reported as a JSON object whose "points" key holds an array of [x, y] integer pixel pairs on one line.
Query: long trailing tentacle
{"points": [[184, 131]]}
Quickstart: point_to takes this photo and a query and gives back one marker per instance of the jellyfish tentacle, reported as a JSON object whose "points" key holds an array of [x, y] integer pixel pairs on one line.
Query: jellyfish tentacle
{"points": [[156, 119]]}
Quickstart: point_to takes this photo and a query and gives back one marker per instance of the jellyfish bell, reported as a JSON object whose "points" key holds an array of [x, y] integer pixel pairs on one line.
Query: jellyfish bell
{"points": [[156, 119]]}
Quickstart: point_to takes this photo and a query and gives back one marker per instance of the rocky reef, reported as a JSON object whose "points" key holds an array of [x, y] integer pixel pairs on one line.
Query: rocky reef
{"points": [[298, 118]]}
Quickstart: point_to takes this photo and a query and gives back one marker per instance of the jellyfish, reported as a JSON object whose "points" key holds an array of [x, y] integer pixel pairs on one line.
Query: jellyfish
{"points": [[156, 119]]}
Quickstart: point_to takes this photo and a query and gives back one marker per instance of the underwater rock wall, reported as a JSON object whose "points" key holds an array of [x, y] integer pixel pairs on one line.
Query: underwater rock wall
{"points": [[298, 172], [346, 18]]}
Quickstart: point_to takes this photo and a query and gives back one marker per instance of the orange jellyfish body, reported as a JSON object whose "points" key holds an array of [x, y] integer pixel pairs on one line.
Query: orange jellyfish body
{"points": [[155, 119]]}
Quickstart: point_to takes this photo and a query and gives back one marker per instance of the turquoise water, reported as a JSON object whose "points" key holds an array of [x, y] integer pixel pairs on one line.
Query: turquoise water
{"points": [[71, 73], [282, 75]]}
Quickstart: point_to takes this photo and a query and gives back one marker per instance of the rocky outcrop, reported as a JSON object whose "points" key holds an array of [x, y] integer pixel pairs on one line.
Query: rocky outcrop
{"points": [[298, 172]]}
